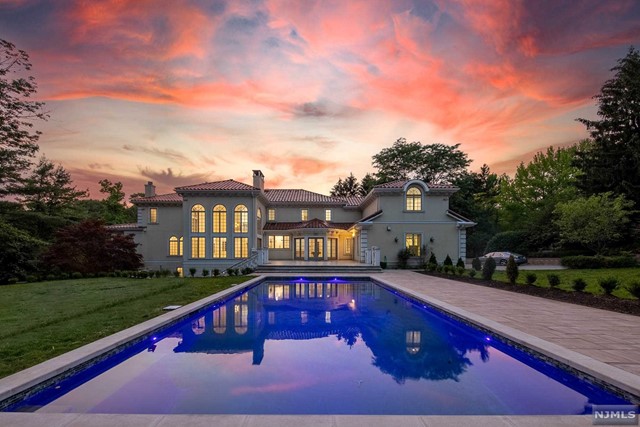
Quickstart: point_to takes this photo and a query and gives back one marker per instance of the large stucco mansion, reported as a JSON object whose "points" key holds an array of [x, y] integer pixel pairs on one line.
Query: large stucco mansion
{"points": [[222, 224]]}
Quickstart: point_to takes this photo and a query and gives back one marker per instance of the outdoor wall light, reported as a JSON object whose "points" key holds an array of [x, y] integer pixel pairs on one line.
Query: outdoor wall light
{"points": [[388, 228], [431, 239], [396, 239]]}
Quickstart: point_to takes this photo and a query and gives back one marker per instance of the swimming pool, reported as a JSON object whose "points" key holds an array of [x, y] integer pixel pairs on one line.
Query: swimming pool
{"points": [[321, 347]]}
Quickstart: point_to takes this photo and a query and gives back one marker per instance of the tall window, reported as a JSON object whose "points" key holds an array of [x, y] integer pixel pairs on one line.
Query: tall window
{"points": [[174, 247], [413, 243], [197, 247], [304, 214], [181, 246], [259, 220], [153, 215], [327, 215], [241, 219], [271, 215], [219, 247], [280, 242], [241, 247], [219, 219], [197, 219], [413, 342], [348, 246], [220, 320], [414, 199]]}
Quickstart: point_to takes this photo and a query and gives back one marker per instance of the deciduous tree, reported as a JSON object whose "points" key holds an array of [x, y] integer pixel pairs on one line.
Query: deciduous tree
{"points": [[18, 141]]}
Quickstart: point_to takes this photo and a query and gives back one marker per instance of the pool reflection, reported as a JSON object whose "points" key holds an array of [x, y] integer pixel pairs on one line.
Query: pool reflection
{"points": [[404, 340]]}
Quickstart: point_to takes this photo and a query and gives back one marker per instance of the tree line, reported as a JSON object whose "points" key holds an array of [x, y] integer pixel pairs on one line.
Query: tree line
{"points": [[47, 225]]}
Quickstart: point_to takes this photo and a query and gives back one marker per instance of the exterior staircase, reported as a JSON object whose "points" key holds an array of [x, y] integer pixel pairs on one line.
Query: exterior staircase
{"points": [[312, 268]]}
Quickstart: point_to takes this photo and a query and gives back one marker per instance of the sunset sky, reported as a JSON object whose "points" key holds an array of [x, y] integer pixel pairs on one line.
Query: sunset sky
{"points": [[187, 91]]}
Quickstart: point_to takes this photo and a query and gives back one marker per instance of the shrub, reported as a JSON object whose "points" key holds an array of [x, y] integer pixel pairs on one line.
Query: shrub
{"points": [[236, 272], [31, 278], [403, 257], [49, 277], [531, 278], [460, 263], [432, 267], [553, 279], [447, 268], [447, 260], [433, 259], [176, 273], [476, 264], [192, 272], [583, 261], [634, 289], [579, 284], [230, 271], [143, 274], [488, 269], [512, 270], [472, 273], [76, 275], [608, 284], [439, 268], [205, 272], [14, 280], [216, 272], [247, 270], [459, 271]]}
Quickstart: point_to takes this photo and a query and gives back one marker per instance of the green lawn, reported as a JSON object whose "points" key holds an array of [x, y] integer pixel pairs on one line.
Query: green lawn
{"points": [[42, 320], [624, 276]]}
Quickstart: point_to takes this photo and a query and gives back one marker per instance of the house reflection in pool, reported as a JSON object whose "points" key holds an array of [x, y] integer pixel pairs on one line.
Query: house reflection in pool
{"points": [[403, 341]]}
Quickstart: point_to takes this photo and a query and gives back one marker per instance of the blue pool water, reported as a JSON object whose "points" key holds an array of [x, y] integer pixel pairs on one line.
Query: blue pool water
{"points": [[303, 347]]}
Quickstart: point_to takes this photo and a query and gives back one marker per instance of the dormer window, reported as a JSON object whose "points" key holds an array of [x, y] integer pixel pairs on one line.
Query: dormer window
{"points": [[414, 199], [153, 215]]}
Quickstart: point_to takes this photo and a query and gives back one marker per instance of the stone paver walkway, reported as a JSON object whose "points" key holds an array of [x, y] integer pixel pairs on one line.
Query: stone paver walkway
{"points": [[606, 336]]}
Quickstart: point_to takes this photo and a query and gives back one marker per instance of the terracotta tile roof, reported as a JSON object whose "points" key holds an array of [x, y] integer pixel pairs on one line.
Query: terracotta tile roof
{"points": [[352, 200], [401, 182], [227, 185], [162, 198], [300, 196], [312, 223]]}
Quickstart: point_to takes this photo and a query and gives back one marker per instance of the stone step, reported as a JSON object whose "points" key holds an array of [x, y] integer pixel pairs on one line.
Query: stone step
{"points": [[317, 269]]}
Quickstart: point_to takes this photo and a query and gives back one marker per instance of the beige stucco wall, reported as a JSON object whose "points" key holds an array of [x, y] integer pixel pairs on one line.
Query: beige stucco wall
{"points": [[338, 213], [154, 242]]}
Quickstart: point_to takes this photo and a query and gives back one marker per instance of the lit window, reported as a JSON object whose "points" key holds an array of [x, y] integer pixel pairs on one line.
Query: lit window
{"points": [[280, 242], [413, 342], [219, 247], [413, 243], [179, 270], [240, 318], [181, 246], [197, 219], [241, 219], [173, 246], [271, 214], [327, 215], [414, 199], [241, 247], [219, 219], [304, 214], [197, 247], [220, 320], [153, 215], [197, 326], [348, 246]]}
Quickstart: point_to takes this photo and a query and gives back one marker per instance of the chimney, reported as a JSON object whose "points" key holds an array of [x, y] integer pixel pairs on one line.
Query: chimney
{"points": [[149, 189], [258, 180]]}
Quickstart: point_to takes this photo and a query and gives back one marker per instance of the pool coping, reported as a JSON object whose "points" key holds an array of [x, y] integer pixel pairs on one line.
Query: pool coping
{"points": [[22, 381]]}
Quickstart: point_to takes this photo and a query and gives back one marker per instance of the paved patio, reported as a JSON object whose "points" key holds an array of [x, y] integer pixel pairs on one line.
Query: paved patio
{"points": [[606, 336]]}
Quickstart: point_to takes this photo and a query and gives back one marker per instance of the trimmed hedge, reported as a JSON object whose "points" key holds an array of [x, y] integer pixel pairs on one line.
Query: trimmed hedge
{"points": [[582, 261]]}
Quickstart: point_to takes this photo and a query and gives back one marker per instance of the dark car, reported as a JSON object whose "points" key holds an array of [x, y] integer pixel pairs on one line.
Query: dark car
{"points": [[501, 258]]}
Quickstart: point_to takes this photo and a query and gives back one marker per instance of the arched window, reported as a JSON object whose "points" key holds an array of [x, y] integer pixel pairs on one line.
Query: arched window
{"points": [[259, 220], [219, 219], [197, 219], [220, 320], [174, 247], [414, 199], [241, 219]]}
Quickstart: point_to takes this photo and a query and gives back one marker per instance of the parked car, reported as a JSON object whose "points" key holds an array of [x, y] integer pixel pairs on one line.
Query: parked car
{"points": [[501, 258]]}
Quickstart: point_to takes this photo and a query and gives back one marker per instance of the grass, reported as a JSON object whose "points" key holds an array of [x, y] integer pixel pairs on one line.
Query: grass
{"points": [[624, 275], [45, 319]]}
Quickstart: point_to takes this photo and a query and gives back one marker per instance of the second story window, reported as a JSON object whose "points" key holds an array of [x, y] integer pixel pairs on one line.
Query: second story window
{"points": [[327, 215], [219, 219], [153, 215], [304, 214], [241, 219], [197, 219], [271, 215], [414, 199]]}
